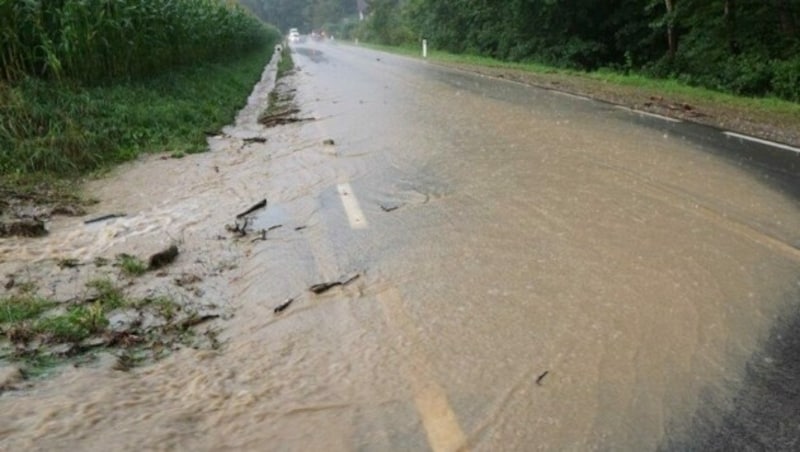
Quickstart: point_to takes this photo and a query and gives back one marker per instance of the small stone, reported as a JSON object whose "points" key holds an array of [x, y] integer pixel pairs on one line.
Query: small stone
{"points": [[9, 376], [59, 350], [95, 341], [123, 321], [106, 360]]}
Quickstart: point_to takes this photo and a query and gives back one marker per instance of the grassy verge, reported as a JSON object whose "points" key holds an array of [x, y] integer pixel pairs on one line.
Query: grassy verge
{"points": [[768, 117], [286, 64], [67, 130]]}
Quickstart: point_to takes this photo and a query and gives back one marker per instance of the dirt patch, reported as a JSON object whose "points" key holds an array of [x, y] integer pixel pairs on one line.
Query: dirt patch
{"points": [[25, 206], [783, 128]]}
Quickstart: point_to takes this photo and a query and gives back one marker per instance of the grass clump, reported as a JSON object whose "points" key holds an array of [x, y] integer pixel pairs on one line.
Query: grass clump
{"points": [[107, 294], [77, 324], [131, 265], [163, 306], [18, 308]]}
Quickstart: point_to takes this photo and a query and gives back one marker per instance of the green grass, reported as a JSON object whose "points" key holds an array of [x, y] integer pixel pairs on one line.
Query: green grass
{"points": [[163, 306], [36, 329], [107, 294], [55, 129], [131, 265], [286, 64], [18, 308], [77, 324]]}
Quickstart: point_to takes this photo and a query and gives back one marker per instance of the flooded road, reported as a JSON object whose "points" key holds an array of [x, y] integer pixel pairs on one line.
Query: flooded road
{"points": [[535, 272]]}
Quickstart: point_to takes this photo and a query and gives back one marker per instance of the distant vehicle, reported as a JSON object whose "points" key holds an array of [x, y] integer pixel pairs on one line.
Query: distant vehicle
{"points": [[294, 35]]}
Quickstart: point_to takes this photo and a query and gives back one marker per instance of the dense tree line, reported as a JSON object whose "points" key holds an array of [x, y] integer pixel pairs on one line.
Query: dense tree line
{"points": [[749, 47], [306, 15], [743, 46]]}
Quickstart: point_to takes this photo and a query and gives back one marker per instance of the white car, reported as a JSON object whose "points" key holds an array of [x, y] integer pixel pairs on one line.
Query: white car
{"points": [[294, 35]]}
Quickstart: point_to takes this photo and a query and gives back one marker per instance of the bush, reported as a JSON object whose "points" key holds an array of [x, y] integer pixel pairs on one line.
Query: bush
{"points": [[745, 74], [786, 79]]}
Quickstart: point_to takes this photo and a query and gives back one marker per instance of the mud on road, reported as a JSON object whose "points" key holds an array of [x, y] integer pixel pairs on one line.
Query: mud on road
{"points": [[133, 275]]}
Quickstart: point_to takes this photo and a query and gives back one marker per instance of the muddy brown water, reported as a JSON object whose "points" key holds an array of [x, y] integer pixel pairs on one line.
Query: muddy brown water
{"points": [[550, 275]]}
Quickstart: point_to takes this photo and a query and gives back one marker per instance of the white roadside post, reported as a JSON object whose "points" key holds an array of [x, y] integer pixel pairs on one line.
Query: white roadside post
{"points": [[424, 48]]}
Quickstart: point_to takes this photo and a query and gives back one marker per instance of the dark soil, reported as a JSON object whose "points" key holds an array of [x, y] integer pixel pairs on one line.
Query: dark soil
{"points": [[25, 206]]}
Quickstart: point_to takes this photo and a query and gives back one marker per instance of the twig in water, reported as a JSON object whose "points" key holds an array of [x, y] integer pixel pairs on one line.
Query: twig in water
{"points": [[541, 377], [259, 205], [324, 287], [265, 231], [282, 307], [104, 217]]}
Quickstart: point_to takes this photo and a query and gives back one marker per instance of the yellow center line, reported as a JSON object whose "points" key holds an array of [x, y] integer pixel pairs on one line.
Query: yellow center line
{"points": [[440, 422]]}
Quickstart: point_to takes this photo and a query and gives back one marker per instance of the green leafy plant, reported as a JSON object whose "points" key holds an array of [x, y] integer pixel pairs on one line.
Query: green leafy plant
{"points": [[131, 265]]}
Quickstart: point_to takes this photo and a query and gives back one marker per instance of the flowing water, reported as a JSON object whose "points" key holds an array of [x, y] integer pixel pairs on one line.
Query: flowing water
{"points": [[534, 273]]}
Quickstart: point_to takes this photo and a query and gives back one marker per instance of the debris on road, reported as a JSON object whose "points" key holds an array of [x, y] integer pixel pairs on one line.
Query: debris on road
{"points": [[282, 307], [240, 229], [254, 140], [104, 217], [195, 320], [187, 279], [541, 377], [328, 142], [265, 231], [163, 258], [326, 286], [282, 117], [389, 207], [25, 227], [259, 205]]}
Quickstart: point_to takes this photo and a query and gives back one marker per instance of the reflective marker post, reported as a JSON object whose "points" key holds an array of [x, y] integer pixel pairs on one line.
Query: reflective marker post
{"points": [[424, 48]]}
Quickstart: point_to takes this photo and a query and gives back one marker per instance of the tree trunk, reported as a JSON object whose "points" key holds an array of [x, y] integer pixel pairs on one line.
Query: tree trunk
{"points": [[672, 39], [730, 26], [788, 26]]}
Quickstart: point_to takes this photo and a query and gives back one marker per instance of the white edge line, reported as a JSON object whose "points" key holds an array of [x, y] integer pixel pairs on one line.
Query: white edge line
{"points": [[574, 96], [653, 115], [351, 207], [759, 140]]}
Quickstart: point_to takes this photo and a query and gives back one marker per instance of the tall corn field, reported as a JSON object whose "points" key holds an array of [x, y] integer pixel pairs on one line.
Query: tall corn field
{"points": [[89, 83], [97, 40]]}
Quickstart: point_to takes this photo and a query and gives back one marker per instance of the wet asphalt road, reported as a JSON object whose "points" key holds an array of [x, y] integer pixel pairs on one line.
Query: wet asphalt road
{"points": [[509, 268], [559, 274]]}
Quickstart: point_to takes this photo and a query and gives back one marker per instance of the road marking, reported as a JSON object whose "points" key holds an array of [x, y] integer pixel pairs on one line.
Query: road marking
{"points": [[574, 96], [652, 115], [440, 422], [766, 142], [351, 207]]}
